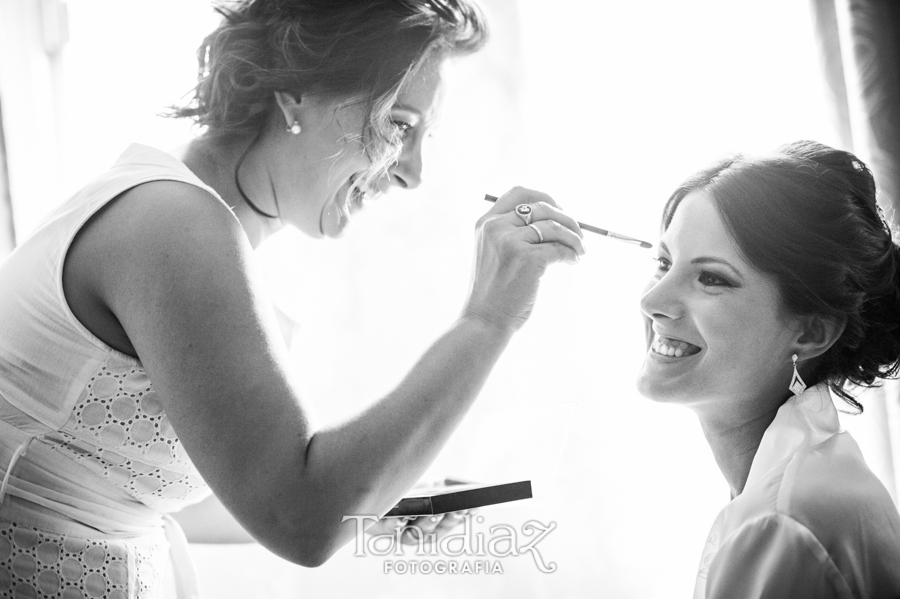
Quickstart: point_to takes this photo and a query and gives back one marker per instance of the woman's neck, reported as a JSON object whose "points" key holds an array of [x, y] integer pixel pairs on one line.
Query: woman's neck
{"points": [[214, 163], [734, 443]]}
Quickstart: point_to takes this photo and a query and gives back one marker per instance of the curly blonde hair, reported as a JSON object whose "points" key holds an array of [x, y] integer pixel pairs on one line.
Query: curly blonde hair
{"points": [[353, 50]]}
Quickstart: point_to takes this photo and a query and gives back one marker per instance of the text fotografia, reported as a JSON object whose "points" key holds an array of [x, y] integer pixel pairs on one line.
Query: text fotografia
{"points": [[503, 541], [444, 567]]}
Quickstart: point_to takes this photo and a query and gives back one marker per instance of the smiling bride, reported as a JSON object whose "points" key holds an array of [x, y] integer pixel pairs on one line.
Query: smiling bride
{"points": [[777, 290]]}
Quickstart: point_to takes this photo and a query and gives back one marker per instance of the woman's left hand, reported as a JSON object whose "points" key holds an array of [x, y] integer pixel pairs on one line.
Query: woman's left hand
{"points": [[417, 527]]}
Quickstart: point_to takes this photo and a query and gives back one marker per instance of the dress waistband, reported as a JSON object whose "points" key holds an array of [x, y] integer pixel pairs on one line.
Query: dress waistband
{"points": [[67, 492], [46, 490]]}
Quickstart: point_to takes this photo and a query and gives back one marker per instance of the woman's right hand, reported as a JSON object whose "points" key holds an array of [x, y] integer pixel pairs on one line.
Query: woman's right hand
{"points": [[511, 257]]}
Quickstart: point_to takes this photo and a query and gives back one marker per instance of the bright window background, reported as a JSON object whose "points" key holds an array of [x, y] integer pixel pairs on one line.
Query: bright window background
{"points": [[607, 106]]}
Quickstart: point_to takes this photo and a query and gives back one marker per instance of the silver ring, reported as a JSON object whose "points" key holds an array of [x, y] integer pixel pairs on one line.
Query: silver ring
{"points": [[538, 231], [525, 213]]}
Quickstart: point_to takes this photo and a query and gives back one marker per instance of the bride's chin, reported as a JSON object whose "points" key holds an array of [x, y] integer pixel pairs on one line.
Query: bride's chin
{"points": [[654, 389], [644, 387]]}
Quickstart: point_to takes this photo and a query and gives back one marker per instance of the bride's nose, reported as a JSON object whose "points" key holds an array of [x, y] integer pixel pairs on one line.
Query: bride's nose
{"points": [[661, 299]]}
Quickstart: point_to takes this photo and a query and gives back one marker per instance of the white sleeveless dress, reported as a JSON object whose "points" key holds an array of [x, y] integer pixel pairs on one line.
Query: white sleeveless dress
{"points": [[89, 461]]}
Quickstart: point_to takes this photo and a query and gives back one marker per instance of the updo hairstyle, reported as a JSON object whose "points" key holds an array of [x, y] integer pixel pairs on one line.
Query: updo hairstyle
{"points": [[360, 50], [807, 216]]}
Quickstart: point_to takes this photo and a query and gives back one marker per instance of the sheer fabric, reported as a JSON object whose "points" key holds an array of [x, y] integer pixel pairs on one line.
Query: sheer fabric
{"points": [[90, 463]]}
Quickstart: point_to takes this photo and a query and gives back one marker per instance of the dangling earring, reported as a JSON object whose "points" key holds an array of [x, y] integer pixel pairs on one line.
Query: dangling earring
{"points": [[797, 385], [294, 128]]}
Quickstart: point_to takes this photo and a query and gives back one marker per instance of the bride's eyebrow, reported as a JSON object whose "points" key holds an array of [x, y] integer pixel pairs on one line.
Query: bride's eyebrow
{"points": [[708, 260]]}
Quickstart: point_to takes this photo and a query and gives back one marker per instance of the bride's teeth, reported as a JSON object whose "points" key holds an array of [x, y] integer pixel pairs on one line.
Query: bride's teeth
{"points": [[675, 350]]}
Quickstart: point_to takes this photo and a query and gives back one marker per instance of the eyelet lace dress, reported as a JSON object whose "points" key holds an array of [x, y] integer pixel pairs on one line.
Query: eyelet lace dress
{"points": [[90, 464]]}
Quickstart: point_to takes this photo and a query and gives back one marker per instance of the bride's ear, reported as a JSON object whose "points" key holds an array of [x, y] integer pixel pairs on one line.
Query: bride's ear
{"points": [[818, 333]]}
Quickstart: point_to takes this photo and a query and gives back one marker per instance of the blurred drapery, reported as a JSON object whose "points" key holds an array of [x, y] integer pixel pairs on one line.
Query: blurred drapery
{"points": [[859, 43], [7, 230]]}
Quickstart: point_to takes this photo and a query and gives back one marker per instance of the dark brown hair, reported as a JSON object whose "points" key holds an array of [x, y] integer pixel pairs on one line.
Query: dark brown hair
{"points": [[807, 216], [358, 50]]}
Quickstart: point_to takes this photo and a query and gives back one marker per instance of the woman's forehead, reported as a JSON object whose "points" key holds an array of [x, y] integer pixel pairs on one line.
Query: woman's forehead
{"points": [[422, 91], [698, 228]]}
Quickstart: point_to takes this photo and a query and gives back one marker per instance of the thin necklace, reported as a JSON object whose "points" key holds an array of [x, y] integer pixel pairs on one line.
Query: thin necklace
{"points": [[237, 181]]}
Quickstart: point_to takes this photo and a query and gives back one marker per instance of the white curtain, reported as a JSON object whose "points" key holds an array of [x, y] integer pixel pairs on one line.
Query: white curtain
{"points": [[7, 229], [859, 49]]}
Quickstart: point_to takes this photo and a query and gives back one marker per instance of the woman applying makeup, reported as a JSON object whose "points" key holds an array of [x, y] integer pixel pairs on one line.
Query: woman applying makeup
{"points": [[778, 288], [141, 366]]}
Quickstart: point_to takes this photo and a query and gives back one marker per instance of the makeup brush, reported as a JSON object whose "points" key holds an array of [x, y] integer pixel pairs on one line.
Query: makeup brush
{"points": [[597, 230]]}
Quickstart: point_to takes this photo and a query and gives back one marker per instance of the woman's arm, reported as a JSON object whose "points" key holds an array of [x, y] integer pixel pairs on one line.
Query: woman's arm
{"points": [[209, 522], [177, 272]]}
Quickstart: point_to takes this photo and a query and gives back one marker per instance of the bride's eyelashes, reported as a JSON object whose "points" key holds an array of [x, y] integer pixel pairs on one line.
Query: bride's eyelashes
{"points": [[662, 264], [707, 278], [711, 279]]}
